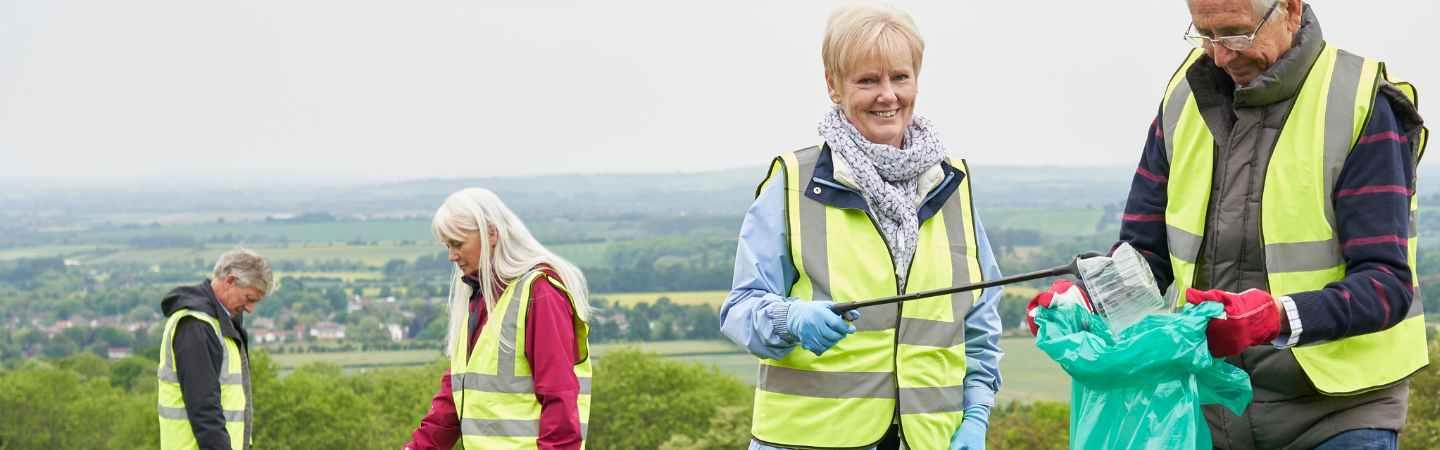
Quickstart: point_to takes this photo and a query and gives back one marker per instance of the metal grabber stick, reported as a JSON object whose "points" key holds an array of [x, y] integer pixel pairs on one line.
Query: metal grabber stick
{"points": [[1069, 269]]}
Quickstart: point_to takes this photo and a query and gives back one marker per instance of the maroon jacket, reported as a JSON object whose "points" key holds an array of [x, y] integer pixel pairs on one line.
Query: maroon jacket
{"points": [[549, 346]]}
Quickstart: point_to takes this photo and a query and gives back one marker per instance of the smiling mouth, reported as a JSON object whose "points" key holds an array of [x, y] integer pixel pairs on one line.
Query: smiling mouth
{"points": [[885, 114]]}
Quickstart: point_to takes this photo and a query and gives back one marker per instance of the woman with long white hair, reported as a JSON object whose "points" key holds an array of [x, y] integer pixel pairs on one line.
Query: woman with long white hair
{"points": [[519, 369]]}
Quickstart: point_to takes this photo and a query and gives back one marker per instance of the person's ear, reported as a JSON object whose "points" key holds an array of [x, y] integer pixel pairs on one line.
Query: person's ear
{"points": [[830, 88], [1294, 13]]}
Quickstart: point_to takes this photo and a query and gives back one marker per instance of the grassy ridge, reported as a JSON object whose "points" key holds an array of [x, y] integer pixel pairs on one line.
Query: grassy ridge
{"points": [[1058, 221], [682, 298]]}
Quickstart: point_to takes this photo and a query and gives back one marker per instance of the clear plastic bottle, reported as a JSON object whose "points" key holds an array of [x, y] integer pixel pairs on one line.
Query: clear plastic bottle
{"points": [[1122, 289]]}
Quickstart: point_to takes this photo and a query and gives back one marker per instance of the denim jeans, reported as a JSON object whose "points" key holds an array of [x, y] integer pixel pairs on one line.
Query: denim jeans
{"points": [[1362, 439]]}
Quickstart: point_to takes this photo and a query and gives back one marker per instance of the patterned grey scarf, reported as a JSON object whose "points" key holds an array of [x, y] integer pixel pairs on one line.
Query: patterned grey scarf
{"points": [[888, 177]]}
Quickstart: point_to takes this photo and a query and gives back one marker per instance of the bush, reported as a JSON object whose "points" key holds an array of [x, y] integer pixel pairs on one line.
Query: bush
{"points": [[1039, 425], [1422, 426], [644, 401]]}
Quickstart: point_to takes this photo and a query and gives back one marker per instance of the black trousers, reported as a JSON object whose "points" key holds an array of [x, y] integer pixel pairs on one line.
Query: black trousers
{"points": [[891, 441]]}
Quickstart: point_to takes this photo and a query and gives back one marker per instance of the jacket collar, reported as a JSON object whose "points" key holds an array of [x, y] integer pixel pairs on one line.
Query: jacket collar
{"points": [[832, 185], [1282, 80]]}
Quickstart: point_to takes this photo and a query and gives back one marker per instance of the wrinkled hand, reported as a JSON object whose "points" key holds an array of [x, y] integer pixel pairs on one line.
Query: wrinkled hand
{"points": [[1060, 289], [971, 434], [1251, 318], [817, 327]]}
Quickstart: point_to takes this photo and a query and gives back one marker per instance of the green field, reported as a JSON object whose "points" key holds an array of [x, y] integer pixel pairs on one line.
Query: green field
{"points": [[358, 359], [683, 298], [1021, 291], [590, 254], [1055, 222], [46, 251], [372, 255], [1027, 373], [374, 230], [347, 276]]}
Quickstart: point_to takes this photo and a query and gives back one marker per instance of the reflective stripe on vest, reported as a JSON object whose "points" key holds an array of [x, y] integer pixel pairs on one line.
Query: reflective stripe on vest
{"points": [[493, 389], [1297, 223], [175, 431], [906, 359]]}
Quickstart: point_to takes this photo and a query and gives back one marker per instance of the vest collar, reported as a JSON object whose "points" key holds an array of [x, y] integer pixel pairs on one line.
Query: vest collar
{"points": [[832, 185], [929, 180]]}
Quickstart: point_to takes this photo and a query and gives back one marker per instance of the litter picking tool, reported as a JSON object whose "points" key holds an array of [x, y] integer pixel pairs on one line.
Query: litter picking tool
{"points": [[1121, 288], [1073, 269]]}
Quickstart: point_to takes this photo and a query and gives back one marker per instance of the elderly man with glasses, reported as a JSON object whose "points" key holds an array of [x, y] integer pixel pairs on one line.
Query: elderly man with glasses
{"points": [[1279, 180]]}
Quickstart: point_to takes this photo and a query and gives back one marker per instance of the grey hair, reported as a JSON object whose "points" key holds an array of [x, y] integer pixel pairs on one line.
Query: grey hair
{"points": [[249, 269], [1261, 6]]}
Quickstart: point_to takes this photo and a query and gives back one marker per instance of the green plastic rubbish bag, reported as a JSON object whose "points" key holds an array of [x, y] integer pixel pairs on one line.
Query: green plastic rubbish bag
{"points": [[1143, 389]]}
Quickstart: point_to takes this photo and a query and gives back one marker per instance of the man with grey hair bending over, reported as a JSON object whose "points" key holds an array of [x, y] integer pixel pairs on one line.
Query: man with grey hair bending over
{"points": [[1278, 179], [204, 390]]}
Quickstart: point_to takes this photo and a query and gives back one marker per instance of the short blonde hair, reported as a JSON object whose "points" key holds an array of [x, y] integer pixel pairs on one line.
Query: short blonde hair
{"points": [[859, 31]]}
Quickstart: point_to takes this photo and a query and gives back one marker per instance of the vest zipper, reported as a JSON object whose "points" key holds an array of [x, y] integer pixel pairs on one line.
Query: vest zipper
{"points": [[900, 289], [899, 307]]}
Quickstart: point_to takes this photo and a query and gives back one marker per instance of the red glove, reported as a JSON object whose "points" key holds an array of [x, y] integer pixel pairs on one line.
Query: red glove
{"points": [[1044, 299], [1251, 318]]}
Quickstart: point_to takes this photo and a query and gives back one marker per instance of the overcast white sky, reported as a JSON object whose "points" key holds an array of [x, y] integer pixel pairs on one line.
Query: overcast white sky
{"points": [[103, 89]]}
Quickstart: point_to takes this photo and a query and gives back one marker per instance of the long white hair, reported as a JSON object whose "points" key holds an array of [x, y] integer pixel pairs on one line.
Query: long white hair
{"points": [[468, 213]]}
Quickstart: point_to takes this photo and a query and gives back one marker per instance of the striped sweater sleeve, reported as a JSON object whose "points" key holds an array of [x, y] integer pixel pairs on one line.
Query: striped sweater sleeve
{"points": [[1372, 213], [1143, 222]]}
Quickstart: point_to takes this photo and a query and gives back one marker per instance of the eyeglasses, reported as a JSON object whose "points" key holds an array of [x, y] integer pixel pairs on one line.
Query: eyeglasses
{"points": [[1237, 42]]}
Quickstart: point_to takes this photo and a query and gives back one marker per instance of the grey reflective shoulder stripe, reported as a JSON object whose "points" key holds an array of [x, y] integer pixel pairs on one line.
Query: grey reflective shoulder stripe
{"points": [[499, 427], [785, 380], [1183, 245], [584, 385], [179, 414], [1414, 225], [814, 254], [932, 399], [1170, 115], [1340, 132], [509, 326], [1303, 256]]}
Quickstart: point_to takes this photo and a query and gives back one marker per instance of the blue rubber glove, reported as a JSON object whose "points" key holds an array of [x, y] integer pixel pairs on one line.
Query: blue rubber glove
{"points": [[971, 434], [817, 327]]}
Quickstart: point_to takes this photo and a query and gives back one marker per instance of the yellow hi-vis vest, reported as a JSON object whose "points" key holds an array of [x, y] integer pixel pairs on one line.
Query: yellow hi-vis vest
{"points": [[175, 432], [903, 359], [493, 389], [1297, 218]]}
